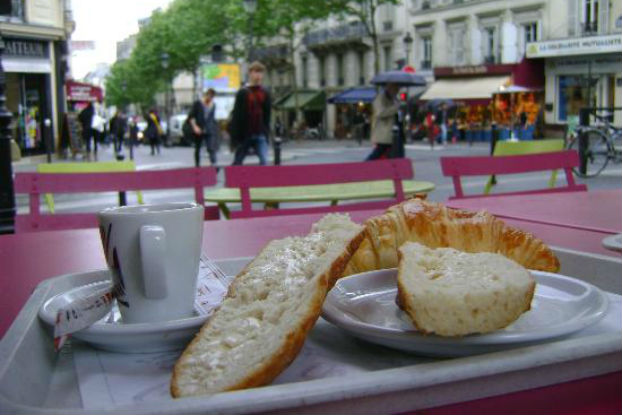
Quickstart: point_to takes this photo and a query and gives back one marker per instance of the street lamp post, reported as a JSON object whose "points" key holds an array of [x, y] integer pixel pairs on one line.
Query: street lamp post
{"points": [[250, 6], [408, 40], [7, 195], [165, 60]]}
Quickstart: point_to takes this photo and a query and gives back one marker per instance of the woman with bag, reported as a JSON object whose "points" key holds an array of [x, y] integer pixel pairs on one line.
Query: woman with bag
{"points": [[153, 131]]}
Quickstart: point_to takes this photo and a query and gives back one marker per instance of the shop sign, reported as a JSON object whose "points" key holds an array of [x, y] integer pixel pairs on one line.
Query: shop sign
{"points": [[460, 71], [24, 48], [575, 46], [77, 91]]}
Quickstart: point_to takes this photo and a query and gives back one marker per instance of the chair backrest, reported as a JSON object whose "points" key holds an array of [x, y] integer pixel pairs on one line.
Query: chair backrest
{"points": [[85, 167], [35, 184], [456, 167], [247, 177], [512, 148], [515, 147]]}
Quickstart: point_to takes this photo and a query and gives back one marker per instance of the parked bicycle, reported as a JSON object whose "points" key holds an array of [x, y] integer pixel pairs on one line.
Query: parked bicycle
{"points": [[604, 143]]}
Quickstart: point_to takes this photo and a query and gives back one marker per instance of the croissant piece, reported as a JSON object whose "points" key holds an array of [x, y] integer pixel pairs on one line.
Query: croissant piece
{"points": [[437, 226]]}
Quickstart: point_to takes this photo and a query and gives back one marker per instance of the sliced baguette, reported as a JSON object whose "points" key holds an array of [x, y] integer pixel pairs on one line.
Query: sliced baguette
{"points": [[453, 293], [271, 305]]}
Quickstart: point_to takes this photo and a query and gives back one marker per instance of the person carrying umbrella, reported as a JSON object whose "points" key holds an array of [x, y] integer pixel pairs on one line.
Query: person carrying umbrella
{"points": [[386, 131], [385, 107]]}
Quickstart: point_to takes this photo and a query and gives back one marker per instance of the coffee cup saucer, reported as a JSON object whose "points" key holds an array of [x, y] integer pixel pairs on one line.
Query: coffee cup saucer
{"points": [[111, 334]]}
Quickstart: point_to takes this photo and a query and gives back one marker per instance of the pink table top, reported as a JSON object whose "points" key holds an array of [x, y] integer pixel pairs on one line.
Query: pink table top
{"points": [[27, 259], [596, 211]]}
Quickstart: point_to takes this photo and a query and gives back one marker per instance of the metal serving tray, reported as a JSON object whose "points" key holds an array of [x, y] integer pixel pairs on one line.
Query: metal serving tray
{"points": [[333, 373]]}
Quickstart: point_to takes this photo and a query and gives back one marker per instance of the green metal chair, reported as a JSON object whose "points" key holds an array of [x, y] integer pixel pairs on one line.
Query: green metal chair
{"points": [[86, 167], [515, 148]]}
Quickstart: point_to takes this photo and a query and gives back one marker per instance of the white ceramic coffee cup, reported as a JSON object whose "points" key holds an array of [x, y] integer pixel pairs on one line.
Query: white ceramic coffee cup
{"points": [[153, 253]]}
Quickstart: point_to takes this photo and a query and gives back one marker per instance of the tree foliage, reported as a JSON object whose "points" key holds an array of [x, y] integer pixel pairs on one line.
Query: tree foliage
{"points": [[188, 29]]}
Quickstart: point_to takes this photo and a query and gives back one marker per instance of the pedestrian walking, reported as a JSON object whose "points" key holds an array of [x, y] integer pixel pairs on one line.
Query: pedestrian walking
{"points": [[431, 127], [385, 108], [133, 131], [85, 117], [118, 128], [153, 131], [250, 120], [202, 118], [441, 121]]}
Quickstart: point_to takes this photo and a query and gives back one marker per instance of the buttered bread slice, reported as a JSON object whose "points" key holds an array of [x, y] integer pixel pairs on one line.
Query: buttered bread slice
{"points": [[454, 293], [262, 323]]}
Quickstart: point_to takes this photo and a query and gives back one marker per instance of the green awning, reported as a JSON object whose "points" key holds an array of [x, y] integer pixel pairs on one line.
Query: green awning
{"points": [[307, 101]]}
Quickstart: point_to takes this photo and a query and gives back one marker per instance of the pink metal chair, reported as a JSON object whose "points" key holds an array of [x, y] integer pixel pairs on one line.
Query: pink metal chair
{"points": [[456, 167], [247, 177], [36, 184]]}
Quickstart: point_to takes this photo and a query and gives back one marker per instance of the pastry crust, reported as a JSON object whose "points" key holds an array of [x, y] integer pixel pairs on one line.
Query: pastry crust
{"points": [[437, 226]]}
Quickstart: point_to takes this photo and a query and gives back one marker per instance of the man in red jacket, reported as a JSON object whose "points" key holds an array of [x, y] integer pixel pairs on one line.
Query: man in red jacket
{"points": [[250, 121]]}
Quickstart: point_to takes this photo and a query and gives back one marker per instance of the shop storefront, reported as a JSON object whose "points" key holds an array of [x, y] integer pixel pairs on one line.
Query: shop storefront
{"points": [[580, 72], [508, 95], [29, 92], [311, 104], [353, 109]]}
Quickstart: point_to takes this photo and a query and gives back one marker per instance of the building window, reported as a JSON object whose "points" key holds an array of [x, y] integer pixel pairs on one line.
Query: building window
{"points": [[457, 37], [573, 95], [490, 45], [529, 34], [17, 9], [340, 77], [426, 52], [305, 71], [322, 68], [361, 68], [590, 16], [387, 58]]}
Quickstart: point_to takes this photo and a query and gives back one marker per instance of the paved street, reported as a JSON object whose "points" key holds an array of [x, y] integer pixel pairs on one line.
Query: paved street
{"points": [[425, 160]]}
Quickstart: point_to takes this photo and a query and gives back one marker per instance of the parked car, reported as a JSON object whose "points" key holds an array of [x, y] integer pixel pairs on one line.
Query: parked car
{"points": [[176, 131]]}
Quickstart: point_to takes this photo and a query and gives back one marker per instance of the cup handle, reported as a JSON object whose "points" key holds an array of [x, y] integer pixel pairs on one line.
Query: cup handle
{"points": [[152, 254]]}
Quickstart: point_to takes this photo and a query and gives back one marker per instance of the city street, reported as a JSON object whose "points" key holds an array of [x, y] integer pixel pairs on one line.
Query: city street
{"points": [[425, 161]]}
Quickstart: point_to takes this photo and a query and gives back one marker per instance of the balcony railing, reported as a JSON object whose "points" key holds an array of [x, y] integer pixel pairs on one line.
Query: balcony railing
{"points": [[335, 34], [272, 53]]}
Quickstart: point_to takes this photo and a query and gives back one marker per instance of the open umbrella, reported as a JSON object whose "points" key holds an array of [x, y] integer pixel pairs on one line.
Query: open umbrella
{"points": [[399, 78]]}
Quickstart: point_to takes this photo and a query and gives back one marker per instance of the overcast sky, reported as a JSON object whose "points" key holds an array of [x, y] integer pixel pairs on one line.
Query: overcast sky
{"points": [[106, 22]]}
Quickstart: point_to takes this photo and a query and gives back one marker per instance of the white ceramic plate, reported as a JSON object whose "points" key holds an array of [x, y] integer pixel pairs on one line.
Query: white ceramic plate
{"points": [[364, 305], [110, 333], [613, 242]]}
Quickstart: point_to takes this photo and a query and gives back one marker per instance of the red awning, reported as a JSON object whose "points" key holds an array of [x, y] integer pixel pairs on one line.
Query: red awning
{"points": [[529, 73], [80, 91]]}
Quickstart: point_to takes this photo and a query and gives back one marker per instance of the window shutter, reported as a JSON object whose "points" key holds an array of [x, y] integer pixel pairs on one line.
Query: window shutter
{"points": [[573, 17], [603, 18]]}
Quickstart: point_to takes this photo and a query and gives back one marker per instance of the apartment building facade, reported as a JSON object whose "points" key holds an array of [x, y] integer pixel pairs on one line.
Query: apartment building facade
{"points": [[333, 56], [582, 50], [35, 34]]}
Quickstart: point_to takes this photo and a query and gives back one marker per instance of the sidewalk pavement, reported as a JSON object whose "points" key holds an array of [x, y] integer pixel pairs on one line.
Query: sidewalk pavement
{"points": [[179, 157]]}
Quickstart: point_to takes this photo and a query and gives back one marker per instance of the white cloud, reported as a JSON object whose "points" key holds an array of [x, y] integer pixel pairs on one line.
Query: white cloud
{"points": [[106, 22]]}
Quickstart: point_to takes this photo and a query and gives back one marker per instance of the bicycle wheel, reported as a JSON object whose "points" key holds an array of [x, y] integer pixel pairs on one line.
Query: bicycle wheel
{"points": [[597, 153]]}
